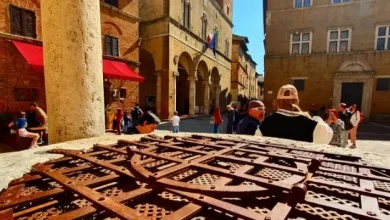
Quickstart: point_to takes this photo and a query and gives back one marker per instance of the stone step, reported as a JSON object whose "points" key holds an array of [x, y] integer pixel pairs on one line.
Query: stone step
{"points": [[380, 118]]}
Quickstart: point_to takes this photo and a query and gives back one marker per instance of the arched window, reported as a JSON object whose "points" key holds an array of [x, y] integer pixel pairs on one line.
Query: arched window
{"points": [[186, 9], [188, 24], [204, 26]]}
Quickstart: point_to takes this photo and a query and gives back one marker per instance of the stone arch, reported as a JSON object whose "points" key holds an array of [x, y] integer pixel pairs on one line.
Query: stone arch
{"points": [[215, 77], [215, 88], [147, 89], [109, 27], [185, 60], [203, 70], [186, 71], [354, 66]]}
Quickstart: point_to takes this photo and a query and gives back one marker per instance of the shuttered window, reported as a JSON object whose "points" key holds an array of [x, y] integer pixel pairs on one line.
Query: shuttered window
{"points": [[111, 46], [23, 22]]}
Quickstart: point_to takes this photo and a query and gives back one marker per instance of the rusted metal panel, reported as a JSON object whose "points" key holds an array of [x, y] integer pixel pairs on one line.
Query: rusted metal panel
{"points": [[199, 177]]}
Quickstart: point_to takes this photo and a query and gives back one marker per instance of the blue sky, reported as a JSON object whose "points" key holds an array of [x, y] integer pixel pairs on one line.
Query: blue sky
{"points": [[248, 21]]}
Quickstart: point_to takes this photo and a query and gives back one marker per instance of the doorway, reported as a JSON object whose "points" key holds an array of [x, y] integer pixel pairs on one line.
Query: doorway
{"points": [[352, 93]]}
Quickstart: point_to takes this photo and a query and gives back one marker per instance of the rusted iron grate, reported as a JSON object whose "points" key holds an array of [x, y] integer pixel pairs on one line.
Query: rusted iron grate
{"points": [[199, 177]]}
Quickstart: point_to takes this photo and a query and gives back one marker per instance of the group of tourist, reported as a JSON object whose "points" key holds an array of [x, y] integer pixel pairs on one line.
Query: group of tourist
{"points": [[135, 122], [290, 122], [31, 125]]}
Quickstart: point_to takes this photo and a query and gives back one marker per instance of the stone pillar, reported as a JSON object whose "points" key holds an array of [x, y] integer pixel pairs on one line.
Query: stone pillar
{"points": [[158, 94], [206, 97], [217, 94], [192, 93], [71, 33], [175, 75]]}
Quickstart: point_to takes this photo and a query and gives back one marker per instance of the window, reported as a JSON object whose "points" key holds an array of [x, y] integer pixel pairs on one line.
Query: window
{"points": [[111, 46], [382, 84], [339, 40], [383, 38], [299, 84], [302, 3], [23, 22], [112, 3], [204, 27], [227, 46], [300, 43], [339, 1], [227, 10], [122, 93], [186, 7]]}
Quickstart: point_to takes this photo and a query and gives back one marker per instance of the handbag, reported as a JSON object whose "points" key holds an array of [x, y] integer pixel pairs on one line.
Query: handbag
{"points": [[212, 120]]}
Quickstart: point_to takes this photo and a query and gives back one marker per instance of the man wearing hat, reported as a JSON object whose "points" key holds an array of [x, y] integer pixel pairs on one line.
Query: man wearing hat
{"points": [[290, 122]]}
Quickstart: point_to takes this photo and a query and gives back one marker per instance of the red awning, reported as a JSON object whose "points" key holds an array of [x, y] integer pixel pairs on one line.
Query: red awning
{"points": [[119, 70], [33, 54]]}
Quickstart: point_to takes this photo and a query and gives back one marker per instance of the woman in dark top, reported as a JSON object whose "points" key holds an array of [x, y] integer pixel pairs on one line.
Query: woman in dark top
{"points": [[230, 120]]}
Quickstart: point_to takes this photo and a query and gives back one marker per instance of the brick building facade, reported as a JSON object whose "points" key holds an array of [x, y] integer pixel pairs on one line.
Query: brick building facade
{"points": [[180, 73], [244, 84], [20, 84], [330, 59]]}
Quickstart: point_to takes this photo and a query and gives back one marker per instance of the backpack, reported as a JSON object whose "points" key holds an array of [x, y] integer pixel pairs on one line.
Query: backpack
{"points": [[361, 117], [135, 114]]}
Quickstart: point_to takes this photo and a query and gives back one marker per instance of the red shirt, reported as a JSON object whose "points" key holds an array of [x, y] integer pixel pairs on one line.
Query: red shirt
{"points": [[217, 118]]}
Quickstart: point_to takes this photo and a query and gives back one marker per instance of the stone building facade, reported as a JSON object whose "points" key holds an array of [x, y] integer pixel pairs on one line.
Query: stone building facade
{"points": [[244, 84], [181, 73], [20, 84], [330, 59]]}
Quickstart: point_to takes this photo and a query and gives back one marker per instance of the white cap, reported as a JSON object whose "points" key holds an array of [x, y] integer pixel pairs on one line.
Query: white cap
{"points": [[287, 92]]}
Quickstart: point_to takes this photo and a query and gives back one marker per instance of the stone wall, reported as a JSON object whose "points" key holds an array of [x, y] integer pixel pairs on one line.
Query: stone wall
{"points": [[319, 68], [121, 22]]}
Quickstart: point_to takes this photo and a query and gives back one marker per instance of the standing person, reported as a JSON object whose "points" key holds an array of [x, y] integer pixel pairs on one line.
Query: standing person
{"points": [[136, 113], [147, 124], [126, 122], [291, 122], [355, 120], [118, 121], [41, 118], [251, 123], [217, 119], [345, 116], [236, 117], [230, 119], [337, 126], [175, 122], [20, 125]]}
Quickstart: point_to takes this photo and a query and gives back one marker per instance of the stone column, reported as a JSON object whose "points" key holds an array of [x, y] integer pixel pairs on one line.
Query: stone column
{"points": [[192, 93], [175, 75], [71, 33], [158, 93], [206, 97], [217, 94]]}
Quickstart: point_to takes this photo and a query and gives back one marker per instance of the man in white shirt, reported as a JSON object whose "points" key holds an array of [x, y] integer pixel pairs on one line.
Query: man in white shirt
{"points": [[175, 123]]}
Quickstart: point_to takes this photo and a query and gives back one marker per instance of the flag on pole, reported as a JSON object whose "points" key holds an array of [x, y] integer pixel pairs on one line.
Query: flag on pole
{"points": [[212, 42]]}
